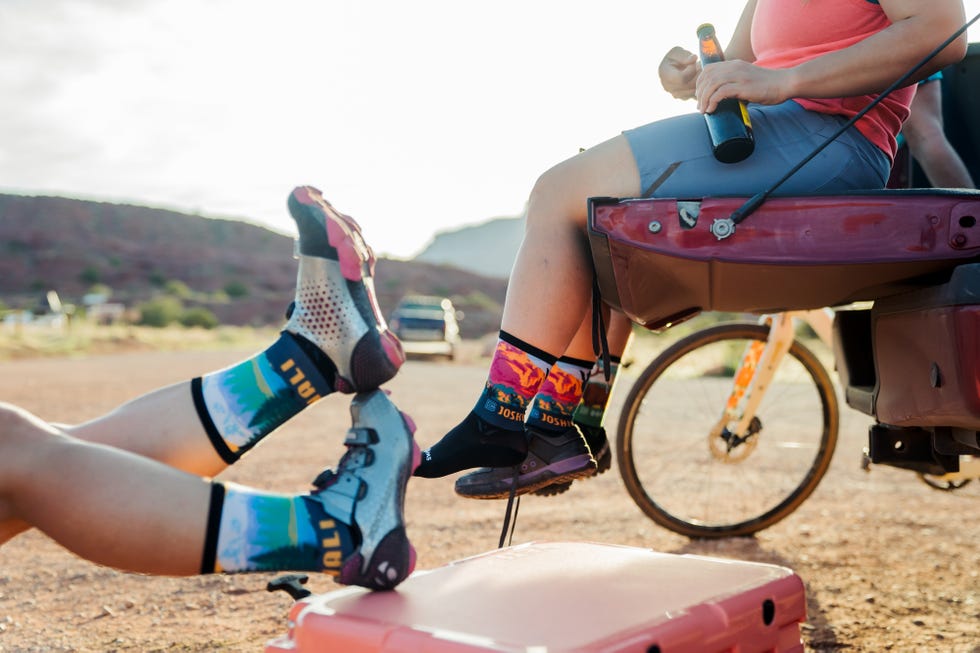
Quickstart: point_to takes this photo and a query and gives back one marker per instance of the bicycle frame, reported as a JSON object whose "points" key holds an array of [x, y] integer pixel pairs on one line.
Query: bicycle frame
{"points": [[759, 363], [754, 374]]}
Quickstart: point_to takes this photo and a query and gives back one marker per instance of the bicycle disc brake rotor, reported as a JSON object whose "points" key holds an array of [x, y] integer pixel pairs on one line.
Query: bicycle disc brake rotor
{"points": [[730, 448]]}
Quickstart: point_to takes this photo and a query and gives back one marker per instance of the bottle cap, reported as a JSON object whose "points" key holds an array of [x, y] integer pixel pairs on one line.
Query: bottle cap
{"points": [[706, 30]]}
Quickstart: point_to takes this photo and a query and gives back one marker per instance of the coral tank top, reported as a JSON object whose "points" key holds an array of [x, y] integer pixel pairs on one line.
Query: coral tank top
{"points": [[789, 32]]}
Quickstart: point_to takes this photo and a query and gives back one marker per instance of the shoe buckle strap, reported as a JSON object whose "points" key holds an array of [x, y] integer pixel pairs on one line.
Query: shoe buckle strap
{"points": [[362, 436], [340, 497]]}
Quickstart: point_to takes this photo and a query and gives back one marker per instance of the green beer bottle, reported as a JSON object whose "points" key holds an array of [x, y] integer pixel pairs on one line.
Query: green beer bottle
{"points": [[729, 126]]}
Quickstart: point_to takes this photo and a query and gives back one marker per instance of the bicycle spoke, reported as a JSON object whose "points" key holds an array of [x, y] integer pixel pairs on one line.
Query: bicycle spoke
{"points": [[689, 477]]}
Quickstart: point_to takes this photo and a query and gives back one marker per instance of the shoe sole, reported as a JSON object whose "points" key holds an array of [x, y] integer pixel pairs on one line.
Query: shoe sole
{"points": [[385, 556], [603, 465], [328, 234], [563, 471]]}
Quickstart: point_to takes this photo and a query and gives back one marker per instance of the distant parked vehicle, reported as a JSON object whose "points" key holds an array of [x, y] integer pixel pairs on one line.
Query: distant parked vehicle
{"points": [[427, 326]]}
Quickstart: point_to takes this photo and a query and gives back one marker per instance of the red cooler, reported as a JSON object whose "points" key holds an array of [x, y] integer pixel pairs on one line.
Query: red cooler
{"points": [[545, 597]]}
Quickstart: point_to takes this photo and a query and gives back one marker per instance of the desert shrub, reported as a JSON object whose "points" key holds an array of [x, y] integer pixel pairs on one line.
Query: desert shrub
{"points": [[177, 289], [90, 275], [160, 312], [100, 289], [199, 317], [236, 289]]}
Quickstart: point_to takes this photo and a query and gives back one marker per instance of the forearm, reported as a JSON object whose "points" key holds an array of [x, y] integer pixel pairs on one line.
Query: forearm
{"points": [[874, 63]]}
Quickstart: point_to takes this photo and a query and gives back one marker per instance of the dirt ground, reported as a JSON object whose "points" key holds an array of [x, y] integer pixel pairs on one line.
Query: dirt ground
{"points": [[888, 563]]}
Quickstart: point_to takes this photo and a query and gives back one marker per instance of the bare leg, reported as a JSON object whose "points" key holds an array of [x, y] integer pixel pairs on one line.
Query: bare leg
{"points": [[335, 273], [548, 295], [47, 479], [927, 140], [618, 331], [162, 425], [126, 511], [550, 285]]}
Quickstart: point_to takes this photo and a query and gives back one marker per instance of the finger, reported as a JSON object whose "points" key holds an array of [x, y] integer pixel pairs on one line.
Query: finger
{"points": [[715, 84], [688, 63], [711, 102], [680, 58], [702, 89], [711, 95]]}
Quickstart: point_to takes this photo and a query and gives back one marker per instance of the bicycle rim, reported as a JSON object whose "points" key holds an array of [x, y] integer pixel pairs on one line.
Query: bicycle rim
{"points": [[698, 485]]}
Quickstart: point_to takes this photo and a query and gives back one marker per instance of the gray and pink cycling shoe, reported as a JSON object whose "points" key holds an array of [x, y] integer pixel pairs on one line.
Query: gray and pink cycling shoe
{"points": [[366, 491], [335, 307]]}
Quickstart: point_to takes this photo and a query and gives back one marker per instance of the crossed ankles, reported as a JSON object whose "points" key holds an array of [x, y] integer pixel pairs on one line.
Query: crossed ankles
{"points": [[336, 318]]}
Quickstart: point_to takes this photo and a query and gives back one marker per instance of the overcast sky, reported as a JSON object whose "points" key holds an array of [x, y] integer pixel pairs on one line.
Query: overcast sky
{"points": [[414, 117]]}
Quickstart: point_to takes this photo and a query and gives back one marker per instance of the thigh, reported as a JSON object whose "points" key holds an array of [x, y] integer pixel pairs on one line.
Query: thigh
{"points": [[604, 170], [674, 156]]}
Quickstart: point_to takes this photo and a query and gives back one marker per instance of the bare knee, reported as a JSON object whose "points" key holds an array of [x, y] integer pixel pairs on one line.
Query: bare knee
{"points": [[560, 195], [922, 132], [555, 201], [25, 442], [21, 434], [15, 420]]}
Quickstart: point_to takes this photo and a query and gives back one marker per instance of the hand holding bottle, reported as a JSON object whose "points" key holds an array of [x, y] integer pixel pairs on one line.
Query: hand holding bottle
{"points": [[742, 80], [728, 125]]}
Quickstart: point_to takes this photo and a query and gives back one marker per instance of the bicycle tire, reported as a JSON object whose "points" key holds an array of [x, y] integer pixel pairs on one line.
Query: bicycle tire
{"points": [[788, 496]]}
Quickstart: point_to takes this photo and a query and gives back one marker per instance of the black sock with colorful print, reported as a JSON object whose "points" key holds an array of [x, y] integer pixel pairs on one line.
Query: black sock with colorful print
{"points": [[552, 408], [492, 435]]}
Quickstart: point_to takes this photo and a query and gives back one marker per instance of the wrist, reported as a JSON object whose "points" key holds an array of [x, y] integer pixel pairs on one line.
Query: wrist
{"points": [[790, 82]]}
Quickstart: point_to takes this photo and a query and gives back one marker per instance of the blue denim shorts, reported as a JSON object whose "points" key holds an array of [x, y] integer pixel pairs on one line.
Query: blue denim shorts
{"points": [[674, 156]]}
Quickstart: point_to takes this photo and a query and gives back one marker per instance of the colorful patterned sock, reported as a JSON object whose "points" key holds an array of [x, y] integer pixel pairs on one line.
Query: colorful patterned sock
{"points": [[595, 395], [241, 404], [250, 530], [517, 371], [560, 394], [492, 435]]}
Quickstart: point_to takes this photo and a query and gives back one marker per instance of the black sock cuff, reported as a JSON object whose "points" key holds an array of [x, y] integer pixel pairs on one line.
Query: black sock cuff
{"points": [[579, 362], [217, 503], [219, 444], [528, 348]]}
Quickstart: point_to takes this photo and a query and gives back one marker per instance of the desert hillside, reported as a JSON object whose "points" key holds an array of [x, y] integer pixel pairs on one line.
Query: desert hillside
{"points": [[243, 273]]}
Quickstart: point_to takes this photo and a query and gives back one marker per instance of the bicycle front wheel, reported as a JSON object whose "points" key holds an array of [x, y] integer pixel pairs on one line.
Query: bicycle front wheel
{"points": [[699, 482]]}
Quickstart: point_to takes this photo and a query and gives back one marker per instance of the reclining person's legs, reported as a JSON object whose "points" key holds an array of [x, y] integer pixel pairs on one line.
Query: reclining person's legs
{"points": [[126, 511], [335, 340]]}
